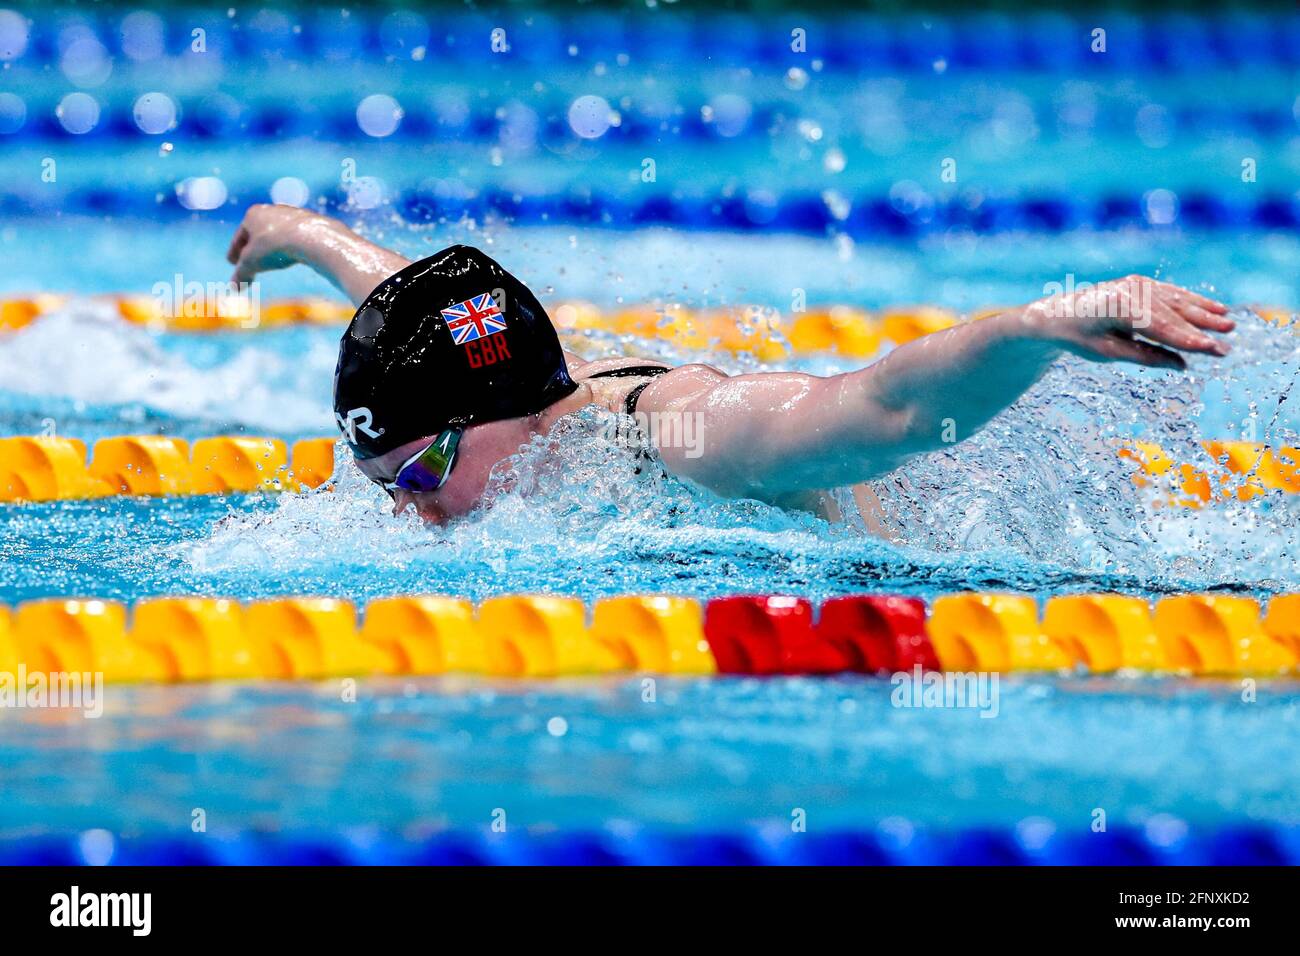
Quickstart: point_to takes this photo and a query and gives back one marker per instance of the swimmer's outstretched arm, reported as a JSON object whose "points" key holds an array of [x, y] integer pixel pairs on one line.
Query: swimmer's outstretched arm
{"points": [[775, 436], [276, 237]]}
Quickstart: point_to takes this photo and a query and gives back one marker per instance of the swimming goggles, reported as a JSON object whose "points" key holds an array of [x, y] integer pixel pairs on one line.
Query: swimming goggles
{"points": [[427, 469]]}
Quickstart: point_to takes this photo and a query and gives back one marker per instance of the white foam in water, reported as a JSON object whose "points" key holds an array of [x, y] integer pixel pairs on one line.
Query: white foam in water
{"points": [[1044, 479], [571, 506], [86, 353], [352, 525], [567, 482]]}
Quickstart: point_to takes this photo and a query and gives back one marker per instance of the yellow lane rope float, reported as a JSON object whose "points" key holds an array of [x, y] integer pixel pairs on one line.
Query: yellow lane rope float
{"points": [[1233, 470], [173, 639], [762, 332], [49, 468]]}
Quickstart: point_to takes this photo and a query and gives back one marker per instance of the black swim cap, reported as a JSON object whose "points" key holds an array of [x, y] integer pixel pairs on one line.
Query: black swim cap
{"points": [[453, 339]]}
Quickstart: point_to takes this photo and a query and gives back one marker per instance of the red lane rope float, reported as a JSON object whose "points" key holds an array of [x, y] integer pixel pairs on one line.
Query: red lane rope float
{"points": [[881, 633]]}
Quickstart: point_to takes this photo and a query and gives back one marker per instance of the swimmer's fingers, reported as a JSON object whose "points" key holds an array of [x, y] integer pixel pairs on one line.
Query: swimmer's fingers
{"points": [[253, 260], [1202, 319], [237, 245], [1188, 297], [245, 267], [1175, 295], [1167, 327], [243, 273], [1196, 309]]}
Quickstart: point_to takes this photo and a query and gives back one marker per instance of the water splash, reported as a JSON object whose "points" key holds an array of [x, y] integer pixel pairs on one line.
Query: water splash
{"points": [[85, 353], [1044, 479], [572, 511]]}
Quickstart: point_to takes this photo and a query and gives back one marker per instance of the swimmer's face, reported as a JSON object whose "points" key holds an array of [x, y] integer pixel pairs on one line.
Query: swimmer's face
{"points": [[479, 451]]}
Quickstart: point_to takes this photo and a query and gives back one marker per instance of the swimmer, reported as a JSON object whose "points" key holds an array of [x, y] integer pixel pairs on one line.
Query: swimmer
{"points": [[450, 365]]}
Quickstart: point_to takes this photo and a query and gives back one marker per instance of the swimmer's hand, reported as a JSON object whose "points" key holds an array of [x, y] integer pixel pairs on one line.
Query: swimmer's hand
{"points": [[275, 237], [1129, 320], [266, 240]]}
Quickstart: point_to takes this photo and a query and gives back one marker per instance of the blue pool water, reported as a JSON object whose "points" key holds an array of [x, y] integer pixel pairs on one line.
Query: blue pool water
{"points": [[421, 756], [1038, 502]]}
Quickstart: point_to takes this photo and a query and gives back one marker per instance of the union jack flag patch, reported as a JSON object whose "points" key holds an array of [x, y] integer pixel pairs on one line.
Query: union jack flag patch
{"points": [[474, 318]]}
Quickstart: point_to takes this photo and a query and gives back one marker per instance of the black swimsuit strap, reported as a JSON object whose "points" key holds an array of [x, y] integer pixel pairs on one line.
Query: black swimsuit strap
{"points": [[633, 371], [629, 403]]}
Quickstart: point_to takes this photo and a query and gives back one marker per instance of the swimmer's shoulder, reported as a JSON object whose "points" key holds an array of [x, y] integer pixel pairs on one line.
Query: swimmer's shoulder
{"points": [[581, 369], [679, 385], [656, 389]]}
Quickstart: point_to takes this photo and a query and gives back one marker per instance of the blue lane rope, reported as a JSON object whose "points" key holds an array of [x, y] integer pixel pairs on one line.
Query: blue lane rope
{"points": [[1230, 845], [797, 212], [1054, 42], [641, 124]]}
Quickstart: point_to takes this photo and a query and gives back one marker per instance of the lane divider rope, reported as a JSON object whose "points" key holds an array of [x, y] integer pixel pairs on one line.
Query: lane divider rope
{"points": [[538, 636], [1237, 470], [1053, 42], [225, 314], [848, 330], [333, 117], [868, 216], [53, 468], [40, 468], [1122, 844]]}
